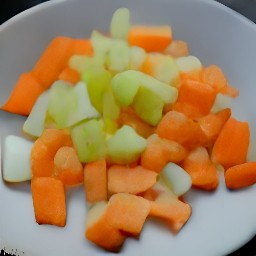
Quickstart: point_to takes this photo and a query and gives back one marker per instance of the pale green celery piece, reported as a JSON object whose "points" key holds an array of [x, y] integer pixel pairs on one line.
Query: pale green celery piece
{"points": [[126, 84], [167, 70], [221, 102], [111, 111], [176, 178], [98, 81], [69, 105], [81, 63], [148, 106], [125, 146], [101, 44], [137, 57], [120, 23], [189, 63], [62, 103], [118, 56], [89, 140], [35, 123]]}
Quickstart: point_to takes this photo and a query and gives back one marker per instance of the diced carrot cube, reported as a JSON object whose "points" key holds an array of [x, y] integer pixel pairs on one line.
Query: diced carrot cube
{"points": [[95, 181], [177, 48], [49, 201], [69, 75], [127, 212], [130, 180], [231, 146]]}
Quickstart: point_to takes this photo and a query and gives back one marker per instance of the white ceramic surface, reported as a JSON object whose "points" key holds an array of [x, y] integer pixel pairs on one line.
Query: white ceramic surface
{"points": [[222, 221]]}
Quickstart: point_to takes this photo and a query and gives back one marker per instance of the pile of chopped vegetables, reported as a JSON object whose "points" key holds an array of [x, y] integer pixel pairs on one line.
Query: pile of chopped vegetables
{"points": [[132, 117]]}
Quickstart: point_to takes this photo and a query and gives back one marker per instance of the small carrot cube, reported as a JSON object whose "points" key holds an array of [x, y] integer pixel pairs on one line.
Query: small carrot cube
{"points": [[69, 75], [127, 212], [49, 201], [95, 181]]}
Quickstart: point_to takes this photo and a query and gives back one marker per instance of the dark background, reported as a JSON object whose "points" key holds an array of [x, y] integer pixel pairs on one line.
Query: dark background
{"points": [[9, 8]]}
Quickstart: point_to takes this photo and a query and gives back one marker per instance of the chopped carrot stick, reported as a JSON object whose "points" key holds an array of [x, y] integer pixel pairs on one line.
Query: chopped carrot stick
{"points": [[230, 91], [240, 176], [152, 39], [67, 166], [24, 95], [95, 181], [52, 61], [203, 173], [44, 150], [159, 152], [130, 180], [129, 117], [215, 77], [231, 146], [49, 201], [127, 212], [99, 231], [82, 47], [177, 48], [177, 127], [213, 123], [192, 75], [69, 75], [199, 95], [169, 208]]}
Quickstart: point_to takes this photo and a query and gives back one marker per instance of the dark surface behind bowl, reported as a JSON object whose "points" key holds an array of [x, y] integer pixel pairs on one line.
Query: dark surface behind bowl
{"points": [[246, 7]]}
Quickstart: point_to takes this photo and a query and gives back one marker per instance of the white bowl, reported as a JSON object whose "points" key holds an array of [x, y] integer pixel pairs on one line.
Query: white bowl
{"points": [[222, 221]]}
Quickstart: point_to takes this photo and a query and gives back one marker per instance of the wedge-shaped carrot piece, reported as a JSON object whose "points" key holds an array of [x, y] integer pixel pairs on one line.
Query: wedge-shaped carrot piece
{"points": [[212, 124], [240, 176], [170, 209], [69, 75], [49, 201], [67, 166], [214, 76], [199, 95], [130, 180], [177, 48], [231, 146], [230, 91], [203, 172], [188, 110], [95, 181], [160, 151], [53, 60], [44, 150], [128, 117], [177, 127], [150, 38], [24, 95], [99, 231], [127, 212], [82, 47]]}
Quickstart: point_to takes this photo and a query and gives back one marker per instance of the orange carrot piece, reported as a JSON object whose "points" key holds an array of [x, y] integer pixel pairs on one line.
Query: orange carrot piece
{"points": [[159, 152], [95, 181], [69, 75], [82, 47], [192, 75], [213, 123], [169, 208], [53, 60], [128, 117], [240, 176], [203, 173], [49, 201], [197, 94], [127, 212], [44, 150], [100, 232], [24, 95], [152, 39], [215, 77], [230, 91], [130, 180], [231, 146], [177, 127], [67, 166], [177, 48]]}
